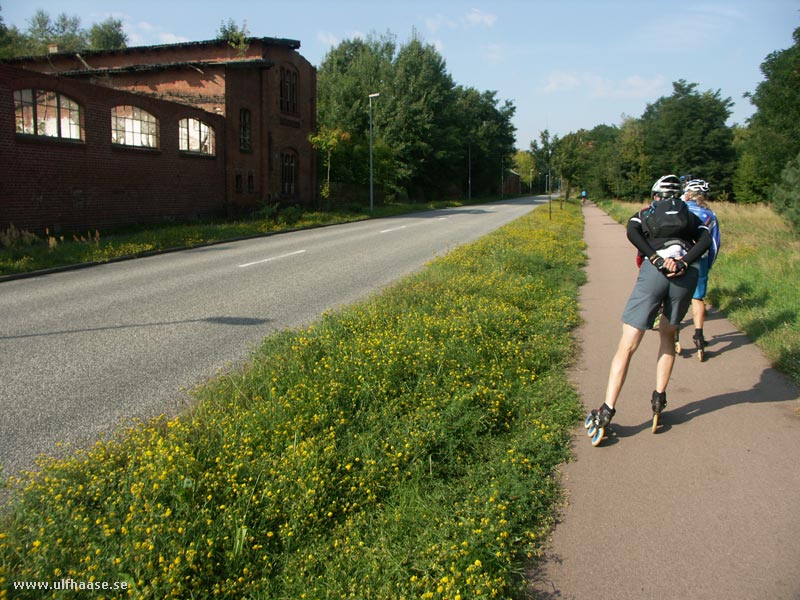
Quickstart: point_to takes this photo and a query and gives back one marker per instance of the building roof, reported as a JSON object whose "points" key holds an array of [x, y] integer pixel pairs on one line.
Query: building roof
{"points": [[194, 64], [267, 41]]}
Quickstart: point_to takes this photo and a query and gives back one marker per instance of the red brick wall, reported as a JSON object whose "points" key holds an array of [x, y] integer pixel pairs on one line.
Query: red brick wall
{"points": [[79, 186], [223, 84]]}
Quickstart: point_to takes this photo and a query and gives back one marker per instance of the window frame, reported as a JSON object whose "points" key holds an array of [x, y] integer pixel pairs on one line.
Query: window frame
{"points": [[186, 137], [289, 173], [288, 90], [245, 130], [48, 114], [145, 121]]}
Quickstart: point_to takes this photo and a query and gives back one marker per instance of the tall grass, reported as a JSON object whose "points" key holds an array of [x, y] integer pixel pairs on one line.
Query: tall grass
{"points": [[755, 279], [401, 448]]}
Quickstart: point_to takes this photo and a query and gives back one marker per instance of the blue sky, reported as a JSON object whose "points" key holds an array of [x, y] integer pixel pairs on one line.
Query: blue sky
{"points": [[565, 64]]}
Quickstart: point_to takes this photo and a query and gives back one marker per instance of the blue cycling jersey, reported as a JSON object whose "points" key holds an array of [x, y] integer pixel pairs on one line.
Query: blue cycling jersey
{"points": [[709, 219]]}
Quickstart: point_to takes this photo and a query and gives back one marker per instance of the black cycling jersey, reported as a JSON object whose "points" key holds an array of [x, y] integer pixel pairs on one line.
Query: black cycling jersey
{"points": [[696, 235]]}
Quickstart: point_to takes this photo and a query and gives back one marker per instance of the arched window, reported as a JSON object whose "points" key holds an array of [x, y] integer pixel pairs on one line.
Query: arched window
{"points": [[133, 126], [288, 174], [47, 113], [196, 136], [288, 90]]}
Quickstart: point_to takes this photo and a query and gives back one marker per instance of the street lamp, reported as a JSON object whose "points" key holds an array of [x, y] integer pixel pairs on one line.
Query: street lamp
{"points": [[371, 193]]}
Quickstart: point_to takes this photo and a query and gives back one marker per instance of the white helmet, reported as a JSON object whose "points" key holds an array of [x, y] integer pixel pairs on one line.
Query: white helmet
{"points": [[698, 185], [667, 186]]}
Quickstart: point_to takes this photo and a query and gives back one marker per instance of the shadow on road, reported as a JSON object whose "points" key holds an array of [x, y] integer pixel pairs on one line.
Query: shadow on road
{"points": [[240, 321]]}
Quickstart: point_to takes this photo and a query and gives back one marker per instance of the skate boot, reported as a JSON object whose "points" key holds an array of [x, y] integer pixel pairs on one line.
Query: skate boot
{"points": [[596, 423], [700, 343], [658, 402]]}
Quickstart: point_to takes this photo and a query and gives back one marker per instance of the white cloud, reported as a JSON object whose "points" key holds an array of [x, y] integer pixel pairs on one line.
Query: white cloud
{"points": [[439, 22], [473, 18], [478, 17], [632, 87], [561, 82], [327, 39], [142, 33]]}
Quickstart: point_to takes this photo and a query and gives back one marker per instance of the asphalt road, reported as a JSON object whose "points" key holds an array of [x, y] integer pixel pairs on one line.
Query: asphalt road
{"points": [[83, 350]]}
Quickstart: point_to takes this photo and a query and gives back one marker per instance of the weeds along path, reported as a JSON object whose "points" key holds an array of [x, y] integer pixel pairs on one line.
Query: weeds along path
{"points": [[706, 508], [402, 446]]}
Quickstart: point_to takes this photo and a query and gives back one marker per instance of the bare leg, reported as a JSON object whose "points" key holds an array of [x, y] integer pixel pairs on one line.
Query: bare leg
{"points": [[628, 343], [666, 354], [698, 312]]}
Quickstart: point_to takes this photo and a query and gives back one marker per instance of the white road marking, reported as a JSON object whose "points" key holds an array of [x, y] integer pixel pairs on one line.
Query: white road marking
{"points": [[426, 221], [257, 262]]}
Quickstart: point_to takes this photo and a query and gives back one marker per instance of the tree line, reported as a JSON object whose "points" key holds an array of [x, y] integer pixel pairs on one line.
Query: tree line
{"points": [[433, 138], [686, 133], [64, 32]]}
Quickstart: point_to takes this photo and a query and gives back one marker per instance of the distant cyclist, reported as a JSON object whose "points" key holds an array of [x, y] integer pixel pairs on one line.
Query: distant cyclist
{"points": [[583, 197], [695, 196]]}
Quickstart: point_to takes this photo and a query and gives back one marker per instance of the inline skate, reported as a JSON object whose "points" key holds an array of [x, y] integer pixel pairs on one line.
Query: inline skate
{"points": [[658, 402], [596, 423], [700, 343]]}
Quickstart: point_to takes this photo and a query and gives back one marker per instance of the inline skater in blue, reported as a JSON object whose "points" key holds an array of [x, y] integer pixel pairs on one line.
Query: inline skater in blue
{"points": [[695, 195]]}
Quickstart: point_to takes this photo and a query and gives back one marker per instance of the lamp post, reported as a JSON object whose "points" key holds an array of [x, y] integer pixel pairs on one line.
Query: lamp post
{"points": [[371, 192]]}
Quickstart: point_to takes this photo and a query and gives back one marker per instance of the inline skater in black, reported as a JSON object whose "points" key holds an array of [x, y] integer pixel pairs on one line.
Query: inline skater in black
{"points": [[672, 239]]}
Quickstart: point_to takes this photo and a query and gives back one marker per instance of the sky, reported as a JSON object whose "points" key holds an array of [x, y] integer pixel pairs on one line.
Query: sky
{"points": [[564, 64]]}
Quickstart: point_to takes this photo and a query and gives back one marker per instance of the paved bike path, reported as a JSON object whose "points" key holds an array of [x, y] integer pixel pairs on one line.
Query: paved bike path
{"points": [[709, 507]]}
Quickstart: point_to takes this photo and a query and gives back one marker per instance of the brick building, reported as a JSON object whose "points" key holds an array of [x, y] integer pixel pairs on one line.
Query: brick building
{"points": [[145, 134]]}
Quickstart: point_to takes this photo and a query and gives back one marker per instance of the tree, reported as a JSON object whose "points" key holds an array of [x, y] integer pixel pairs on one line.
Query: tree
{"points": [[486, 139], [525, 165], [631, 172], [596, 175], [107, 35], [422, 129], [326, 141], [432, 137], [237, 37], [773, 136], [543, 153], [64, 32], [686, 133], [786, 193], [568, 159]]}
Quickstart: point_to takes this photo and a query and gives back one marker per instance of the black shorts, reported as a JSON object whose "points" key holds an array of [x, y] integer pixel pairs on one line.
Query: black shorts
{"points": [[654, 289]]}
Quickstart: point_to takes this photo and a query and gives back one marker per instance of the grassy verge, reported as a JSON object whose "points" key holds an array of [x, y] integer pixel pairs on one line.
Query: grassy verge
{"points": [[401, 448], [22, 252], [754, 281]]}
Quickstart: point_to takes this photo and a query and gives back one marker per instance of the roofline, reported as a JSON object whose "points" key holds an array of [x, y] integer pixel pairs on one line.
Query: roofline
{"points": [[269, 41], [194, 64]]}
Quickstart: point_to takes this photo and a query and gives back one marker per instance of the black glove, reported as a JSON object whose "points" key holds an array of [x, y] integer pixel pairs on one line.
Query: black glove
{"points": [[682, 266], [658, 262]]}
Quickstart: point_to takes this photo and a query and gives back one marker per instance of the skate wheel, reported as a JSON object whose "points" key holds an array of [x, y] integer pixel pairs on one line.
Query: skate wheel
{"points": [[677, 347], [701, 355], [598, 435], [588, 422], [655, 423]]}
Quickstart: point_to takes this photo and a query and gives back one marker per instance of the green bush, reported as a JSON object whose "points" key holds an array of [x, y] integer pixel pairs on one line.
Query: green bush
{"points": [[786, 193]]}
